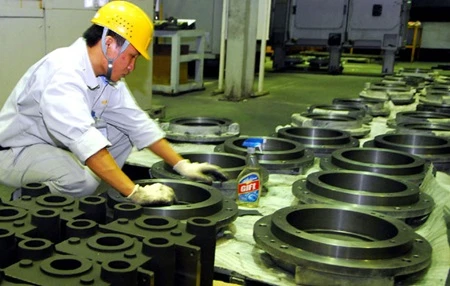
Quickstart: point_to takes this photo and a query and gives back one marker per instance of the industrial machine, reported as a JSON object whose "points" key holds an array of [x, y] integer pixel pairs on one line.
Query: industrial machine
{"points": [[338, 24]]}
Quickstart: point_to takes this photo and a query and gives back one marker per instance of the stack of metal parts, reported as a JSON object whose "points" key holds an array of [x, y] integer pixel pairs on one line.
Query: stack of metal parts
{"points": [[200, 129], [60, 240]]}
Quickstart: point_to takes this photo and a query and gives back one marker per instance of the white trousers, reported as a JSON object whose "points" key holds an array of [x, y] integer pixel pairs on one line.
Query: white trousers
{"points": [[57, 168]]}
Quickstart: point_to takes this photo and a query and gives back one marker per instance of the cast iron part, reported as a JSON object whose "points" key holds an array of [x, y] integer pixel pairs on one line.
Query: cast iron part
{"points": [[444, 108], [322, 141], [188, 249], [231, 164], [331, 245], [193, 200], [277, 155], [341, 109], [397, 164], [431, 148], [421, 117], [375, 107], [348, 123], [34, 190], [200, 129], [73, 270], [424, 128], [368, 191]]}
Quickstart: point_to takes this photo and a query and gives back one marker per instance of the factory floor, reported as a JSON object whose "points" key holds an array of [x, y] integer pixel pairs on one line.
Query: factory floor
{"points": [[289, 92]]}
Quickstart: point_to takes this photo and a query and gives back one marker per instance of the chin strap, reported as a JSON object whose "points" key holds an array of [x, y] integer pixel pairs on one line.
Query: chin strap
{"points": [[111, 61]]}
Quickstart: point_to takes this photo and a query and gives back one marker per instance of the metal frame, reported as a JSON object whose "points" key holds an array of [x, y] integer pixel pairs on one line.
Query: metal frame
{"points": [[198, 56]]}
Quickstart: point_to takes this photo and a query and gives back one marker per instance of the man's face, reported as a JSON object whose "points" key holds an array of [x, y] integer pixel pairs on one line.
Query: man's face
{"points": [[125, 62]]}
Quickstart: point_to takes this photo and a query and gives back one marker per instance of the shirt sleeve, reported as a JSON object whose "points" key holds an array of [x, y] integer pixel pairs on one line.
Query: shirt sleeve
{"points": [[124, 113]]}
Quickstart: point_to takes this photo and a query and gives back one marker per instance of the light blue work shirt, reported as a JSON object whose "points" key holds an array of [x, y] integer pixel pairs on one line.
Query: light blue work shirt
{"points": [[55, 103]]}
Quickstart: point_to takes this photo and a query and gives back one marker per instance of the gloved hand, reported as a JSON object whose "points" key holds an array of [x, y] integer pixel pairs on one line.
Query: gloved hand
{"points": [[154, 194], [203, 172]]}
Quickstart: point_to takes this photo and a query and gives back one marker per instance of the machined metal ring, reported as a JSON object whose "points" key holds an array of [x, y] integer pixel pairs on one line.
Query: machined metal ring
{"points": [[340, 244], [375, 107], [435, 107], [368, 191], [432, 148], [398, 164], [200, 129], [351, 124], [422, 116], [424, 128], [321, 140], [340, 109], [277, 155], [193, 200]]}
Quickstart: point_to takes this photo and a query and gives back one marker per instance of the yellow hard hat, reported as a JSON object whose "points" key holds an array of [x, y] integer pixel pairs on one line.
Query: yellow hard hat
{"points": [[128, 21]]}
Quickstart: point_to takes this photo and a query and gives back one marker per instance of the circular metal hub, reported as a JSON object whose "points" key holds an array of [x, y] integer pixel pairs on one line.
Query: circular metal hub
{"points": [[424, 128], [431, 148], [422, 116], [444, 108], [398, 164], [351, 124], [276, 154], [321, 140], [193, 200], [340, 109], [365, 190], [331, 240], [200, 129], [375, 107]]}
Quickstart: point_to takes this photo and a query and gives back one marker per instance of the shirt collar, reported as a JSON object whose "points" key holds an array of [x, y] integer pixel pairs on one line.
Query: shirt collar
{"points": [[90, 78]]}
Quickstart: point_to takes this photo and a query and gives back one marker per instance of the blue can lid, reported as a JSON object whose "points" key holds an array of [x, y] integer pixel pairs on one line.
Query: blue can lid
{"points": [[253, 142]]}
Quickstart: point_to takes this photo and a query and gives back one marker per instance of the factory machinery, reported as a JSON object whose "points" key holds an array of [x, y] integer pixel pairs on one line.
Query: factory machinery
{"points": [[333, 25]]}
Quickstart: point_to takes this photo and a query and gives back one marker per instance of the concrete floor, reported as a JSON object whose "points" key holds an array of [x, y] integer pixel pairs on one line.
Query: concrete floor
{"points": [[289, 92]]}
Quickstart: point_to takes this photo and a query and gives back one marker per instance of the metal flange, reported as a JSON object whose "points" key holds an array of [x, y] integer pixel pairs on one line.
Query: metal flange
{"points": [[435, 107], [341, 109], [193, 200], [231, 164], [200, 129], [277, 155], [424, 128], [351, 124], [375, 107], [431, 148], [322, 141], [368, 191], [398, 94], [397, 164], [422, 116], [331, 245]]}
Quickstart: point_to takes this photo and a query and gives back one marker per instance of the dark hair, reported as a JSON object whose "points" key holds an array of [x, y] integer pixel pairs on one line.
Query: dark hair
{"points": [[94, 34]]}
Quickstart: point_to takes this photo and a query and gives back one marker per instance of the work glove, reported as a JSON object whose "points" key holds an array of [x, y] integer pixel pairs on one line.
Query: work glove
{"points": [[154, 194], [203, 172]]}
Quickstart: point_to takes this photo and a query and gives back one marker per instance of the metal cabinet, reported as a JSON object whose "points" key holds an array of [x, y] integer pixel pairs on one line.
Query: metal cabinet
{"points": [[339, 23]]}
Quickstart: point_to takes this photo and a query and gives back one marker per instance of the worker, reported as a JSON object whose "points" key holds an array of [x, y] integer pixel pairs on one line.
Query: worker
{"points": [[71, 122]]}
